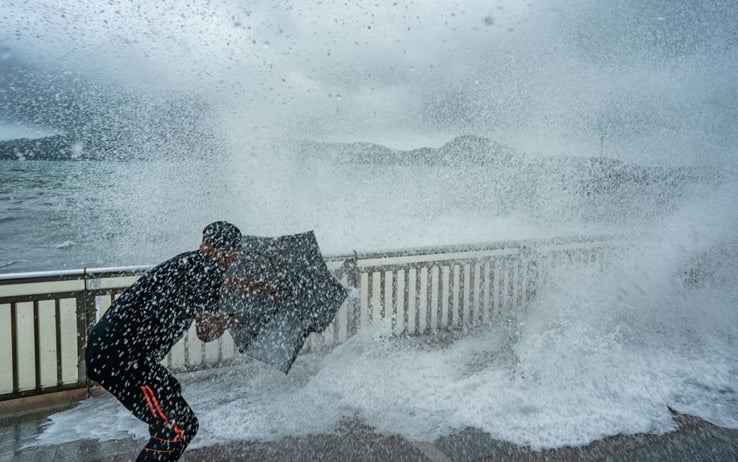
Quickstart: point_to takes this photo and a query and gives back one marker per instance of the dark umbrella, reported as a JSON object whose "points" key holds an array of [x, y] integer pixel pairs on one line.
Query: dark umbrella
{"points": [[279, 290]]}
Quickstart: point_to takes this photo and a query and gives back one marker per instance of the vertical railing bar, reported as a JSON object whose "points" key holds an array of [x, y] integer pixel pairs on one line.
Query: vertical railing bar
{"points": [[400, 306], [459, 294], [524, 271], [432, 315], [14, 344], [465, 294], [488, 315], [473, 295], [406, 302], [453, 296], [370, 298], [534, 268], [82, 325], [186, 352], [390, 312], [495, 277], [509, 284], [419, 301], [340, 320], [203, 355], [447, 289], [516, 283], [488, 298], [469, 295], [525, 267], [354, 307], [454, 288], [381, 298], [336, 324], [480, 302], [500, 289], [524, 280], [416, 301], [37, 345], [220, 350], [462, 298], [364, 299], [502, 286], [439, 298], [421, 296], [444, 283], [422, 300], [522, 276], [57, 317]]}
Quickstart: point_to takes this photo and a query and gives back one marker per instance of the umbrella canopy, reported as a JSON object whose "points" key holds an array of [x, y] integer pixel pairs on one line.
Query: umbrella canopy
{"points": [[279, 290]]}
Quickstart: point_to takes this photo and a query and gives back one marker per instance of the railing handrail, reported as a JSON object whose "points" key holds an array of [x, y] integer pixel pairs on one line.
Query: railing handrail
{"points": [[481, 247], [57, 275]]}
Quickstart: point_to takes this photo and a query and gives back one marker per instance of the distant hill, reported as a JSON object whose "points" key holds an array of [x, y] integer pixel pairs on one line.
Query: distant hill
{"points": [[466, 149]]}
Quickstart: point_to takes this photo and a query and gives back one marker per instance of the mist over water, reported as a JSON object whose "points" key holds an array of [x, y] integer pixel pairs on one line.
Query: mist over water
{"points": [[215, 100]]}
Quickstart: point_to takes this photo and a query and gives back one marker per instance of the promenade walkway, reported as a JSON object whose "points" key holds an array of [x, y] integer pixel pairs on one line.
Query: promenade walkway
{"points": [[693, 441]]}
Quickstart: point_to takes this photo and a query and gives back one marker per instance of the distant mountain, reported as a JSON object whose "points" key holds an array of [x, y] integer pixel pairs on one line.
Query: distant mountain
{"points": [[467, 148], [464, 149]]}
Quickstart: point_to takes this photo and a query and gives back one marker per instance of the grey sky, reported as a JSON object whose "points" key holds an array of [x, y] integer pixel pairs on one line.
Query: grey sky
{"points": [[551, 76]]}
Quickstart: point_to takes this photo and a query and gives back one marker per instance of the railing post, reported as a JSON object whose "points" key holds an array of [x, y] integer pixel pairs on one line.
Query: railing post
{"points": [[531, 273], [350, 268], [88, 315], [81, 314]]}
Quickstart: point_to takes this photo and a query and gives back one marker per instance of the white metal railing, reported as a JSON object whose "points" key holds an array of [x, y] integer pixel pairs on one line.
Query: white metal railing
{"points": [[44, 317]]}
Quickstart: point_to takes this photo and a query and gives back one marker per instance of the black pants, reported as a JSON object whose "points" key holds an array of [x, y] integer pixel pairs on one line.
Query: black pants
{"points": [[152, 394]]}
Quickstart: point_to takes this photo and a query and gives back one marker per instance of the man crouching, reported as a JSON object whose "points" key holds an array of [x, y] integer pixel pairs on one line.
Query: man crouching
{"points": [[126, 346]]}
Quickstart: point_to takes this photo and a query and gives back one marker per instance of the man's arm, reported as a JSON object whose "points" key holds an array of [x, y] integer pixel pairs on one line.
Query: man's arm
{"points": [[210, 326]]}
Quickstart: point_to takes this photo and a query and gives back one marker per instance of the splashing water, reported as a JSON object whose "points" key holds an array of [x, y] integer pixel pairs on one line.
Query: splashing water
{"points": [[602, 350]]}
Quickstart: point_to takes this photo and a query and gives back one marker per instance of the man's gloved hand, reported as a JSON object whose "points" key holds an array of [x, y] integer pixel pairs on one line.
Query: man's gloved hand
{"points": [[210, 326]]}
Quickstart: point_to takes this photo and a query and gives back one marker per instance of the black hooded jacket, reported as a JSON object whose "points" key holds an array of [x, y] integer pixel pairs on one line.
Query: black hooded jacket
{"points": [[156, 311]]}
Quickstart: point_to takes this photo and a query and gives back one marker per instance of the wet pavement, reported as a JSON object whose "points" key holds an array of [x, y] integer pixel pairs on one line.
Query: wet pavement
{"points": [[694, 440]]}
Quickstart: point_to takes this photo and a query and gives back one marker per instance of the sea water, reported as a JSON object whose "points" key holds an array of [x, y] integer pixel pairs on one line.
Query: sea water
{"points": [[56, 215], [76, 214]]}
